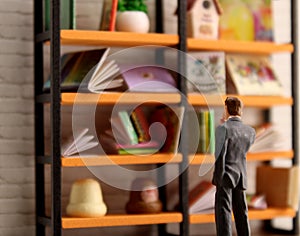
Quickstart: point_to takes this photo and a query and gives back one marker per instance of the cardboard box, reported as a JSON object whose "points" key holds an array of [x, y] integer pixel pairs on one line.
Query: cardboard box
{"points": [[279, 184]]}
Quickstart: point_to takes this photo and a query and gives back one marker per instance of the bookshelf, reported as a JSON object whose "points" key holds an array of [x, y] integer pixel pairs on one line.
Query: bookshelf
{"points": [[55, 39]]}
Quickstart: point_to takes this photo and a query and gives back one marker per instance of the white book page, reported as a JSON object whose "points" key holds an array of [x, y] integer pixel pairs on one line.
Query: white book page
{"points": [[81, 143]]}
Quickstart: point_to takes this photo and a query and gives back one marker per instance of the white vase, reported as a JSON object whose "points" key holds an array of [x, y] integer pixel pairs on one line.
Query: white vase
{"points": [[133, 21]]}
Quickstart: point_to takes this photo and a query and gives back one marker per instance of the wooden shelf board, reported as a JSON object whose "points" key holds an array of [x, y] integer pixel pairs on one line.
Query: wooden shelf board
{"points": [[231, 46], [267, 214], [250, 101], [198, 159], [108, 98], [125, 39], [121, 220], [120, 160], [118, 39]]}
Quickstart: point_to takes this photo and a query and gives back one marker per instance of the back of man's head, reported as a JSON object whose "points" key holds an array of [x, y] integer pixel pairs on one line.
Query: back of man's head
{"points": [[234, 106]]}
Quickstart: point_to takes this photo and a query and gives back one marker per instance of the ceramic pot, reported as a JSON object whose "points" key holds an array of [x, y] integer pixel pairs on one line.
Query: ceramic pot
{"points": [[132, 21]]}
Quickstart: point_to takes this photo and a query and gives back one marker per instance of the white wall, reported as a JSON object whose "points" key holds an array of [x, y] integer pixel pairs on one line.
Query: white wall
{"points": [[16, 119]]}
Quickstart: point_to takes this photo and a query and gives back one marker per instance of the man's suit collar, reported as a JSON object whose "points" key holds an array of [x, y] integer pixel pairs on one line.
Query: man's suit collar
{"points": [[234, 118]]}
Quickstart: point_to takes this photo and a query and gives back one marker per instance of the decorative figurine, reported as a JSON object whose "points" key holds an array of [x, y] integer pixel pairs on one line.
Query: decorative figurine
{"points": [[203, 18], [86, 199], [233, 140], [143, 197]]}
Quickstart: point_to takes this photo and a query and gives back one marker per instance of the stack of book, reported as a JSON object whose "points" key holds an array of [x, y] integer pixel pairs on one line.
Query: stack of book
{"points": [[206, 131], [135, 134], [131, 133]]}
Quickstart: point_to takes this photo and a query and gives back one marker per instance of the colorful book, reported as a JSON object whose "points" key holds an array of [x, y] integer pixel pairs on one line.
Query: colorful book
{"points": [[137, 151], [206, 72], [144, 78], [127, 124], [151, 147], [252, 75], [211, 131], [247, 20], [88, 70], [166, 127], [141, 124], [118, 131], [202, 142]]}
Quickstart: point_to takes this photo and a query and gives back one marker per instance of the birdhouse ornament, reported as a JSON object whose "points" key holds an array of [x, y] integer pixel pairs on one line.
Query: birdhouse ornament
{"points": [[203, 18]]}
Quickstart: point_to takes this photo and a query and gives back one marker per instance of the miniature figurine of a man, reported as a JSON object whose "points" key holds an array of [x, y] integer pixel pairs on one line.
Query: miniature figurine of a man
{"points": [[233, 140]]}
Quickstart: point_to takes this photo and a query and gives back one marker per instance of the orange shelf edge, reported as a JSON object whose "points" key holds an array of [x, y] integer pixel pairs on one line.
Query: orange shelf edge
{"points": [[267, 214], [121, 220], [117, 97], [120, 160], [121, 39], [118, 39], [197, 159], [250, 101], [234, 46], [170, 98], [261, 156]]}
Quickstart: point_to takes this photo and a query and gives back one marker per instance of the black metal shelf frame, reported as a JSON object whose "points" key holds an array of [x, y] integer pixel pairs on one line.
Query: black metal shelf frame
{"points": [[53, 35]]}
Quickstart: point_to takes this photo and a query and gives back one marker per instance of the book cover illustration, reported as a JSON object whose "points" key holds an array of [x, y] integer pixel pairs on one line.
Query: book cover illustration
{"points": [[87, 70], [251, 75], [206, 72], [148, 78], [247, 20]]}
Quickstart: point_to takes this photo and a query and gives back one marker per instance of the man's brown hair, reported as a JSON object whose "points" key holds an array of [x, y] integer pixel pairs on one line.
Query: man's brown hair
{"points": [[234, 106]]}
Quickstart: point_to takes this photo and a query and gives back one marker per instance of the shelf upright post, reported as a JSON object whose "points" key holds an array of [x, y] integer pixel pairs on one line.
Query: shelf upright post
{"points": [[183, 178], [55, 118], [39, 118], [159, 60], [295, 95], [295, 110]]}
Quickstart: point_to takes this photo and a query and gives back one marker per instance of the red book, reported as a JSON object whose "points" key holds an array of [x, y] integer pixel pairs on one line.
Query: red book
{"points": [[113, 15]]}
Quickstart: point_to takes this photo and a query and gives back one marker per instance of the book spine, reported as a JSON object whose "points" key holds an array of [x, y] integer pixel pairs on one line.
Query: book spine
{"points": [[211, 128], [125, 118], [202, 135], [141, 125]]}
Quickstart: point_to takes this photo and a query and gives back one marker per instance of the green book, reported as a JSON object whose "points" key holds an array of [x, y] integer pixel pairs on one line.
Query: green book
{"points": [[125, 119], [202, 136], [211, 131], [137, 151], [67, 14]]}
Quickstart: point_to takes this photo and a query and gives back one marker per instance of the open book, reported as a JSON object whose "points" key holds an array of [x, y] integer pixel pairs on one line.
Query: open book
{"points": [[80, 143], [268, 138], [251, 75], [88, 70], [202, 197]]}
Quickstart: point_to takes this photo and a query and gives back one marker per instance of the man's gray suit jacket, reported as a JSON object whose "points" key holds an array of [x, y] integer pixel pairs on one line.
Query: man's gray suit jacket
{"points": [[233, 140]]}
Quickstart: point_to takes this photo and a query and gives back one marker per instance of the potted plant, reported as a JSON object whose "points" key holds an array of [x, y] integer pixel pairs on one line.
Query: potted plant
{"points": [[132, 16]]}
